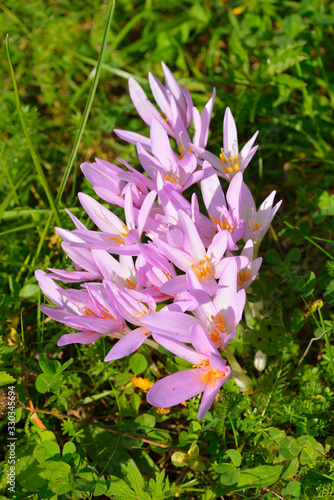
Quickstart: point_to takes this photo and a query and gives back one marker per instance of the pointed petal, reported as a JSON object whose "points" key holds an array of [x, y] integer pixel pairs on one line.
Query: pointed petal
{"points": [[127, 344], [230, 134], [212, 192], [170, 323], [247, 147], [176, 388], [191, 239], [208, 398], [134, 138], [144, 107], [78, 338], [201, 341], [101, 216]]}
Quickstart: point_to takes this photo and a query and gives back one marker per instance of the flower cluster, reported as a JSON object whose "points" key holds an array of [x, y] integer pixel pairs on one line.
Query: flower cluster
{"points": [[166, 271]]}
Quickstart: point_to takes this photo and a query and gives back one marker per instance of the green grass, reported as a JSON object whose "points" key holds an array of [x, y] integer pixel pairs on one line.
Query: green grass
{"points": [[272, 64]]}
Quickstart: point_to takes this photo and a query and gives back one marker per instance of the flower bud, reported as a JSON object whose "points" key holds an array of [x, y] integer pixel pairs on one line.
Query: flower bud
{"points": [[260, 361]]}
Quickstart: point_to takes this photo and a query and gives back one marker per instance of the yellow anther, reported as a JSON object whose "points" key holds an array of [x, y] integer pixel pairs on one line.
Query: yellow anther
{"points": [[211, 375], [231, 164], [172, 179], [113, 238], [202, 269], [88, 312], [253, 226], [223, 224], [129, 282]]}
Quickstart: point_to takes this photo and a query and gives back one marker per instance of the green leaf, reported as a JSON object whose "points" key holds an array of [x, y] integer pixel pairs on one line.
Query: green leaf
{"points": [[289, 448], [31, 477], [292, 469], [49, 366], [100, 486], [311, 450], [6, 379], [55, 471], [264, 475], [292, 489], [120, 490], [234, 456], [293, 24], [137, 482], [304, 284], [45, 383], [194, 450], [95, 397], [276, 434], [63, 484], [29, 292], [87, 478], [48, 450], [145, 421], [179, 459], [159, 436], [138, 363], [68, 451], [229, 474], [66, 365], [289, 81]]}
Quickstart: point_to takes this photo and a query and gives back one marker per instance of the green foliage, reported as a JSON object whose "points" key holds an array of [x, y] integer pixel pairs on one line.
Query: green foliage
{"points": [[271, 63]]}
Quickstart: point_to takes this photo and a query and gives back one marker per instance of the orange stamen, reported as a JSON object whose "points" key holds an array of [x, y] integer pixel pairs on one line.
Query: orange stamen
{"points": [[116, 239], [242, 277], [211, 374], [223, 224], [129, 282], [202, 269]]}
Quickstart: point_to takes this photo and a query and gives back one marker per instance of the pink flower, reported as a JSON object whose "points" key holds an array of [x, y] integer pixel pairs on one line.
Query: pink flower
{"points": [[208, 374], [91, 310], [224, 216], [230, 161], [191, 253], [257, 221], [115, 236]]}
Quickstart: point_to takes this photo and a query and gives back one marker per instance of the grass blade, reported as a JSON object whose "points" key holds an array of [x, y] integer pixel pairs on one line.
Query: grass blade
{"points": [[30, 144], [77, 141]]}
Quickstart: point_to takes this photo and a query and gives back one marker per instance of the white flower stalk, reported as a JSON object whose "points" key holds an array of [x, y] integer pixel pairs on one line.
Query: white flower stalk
{"points": [[260, 361]]}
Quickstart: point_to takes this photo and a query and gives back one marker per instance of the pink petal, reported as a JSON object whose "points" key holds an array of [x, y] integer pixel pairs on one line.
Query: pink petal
{"points": [[78, 338], [170, 323], [101, 216], [134, 138], [230, 134], [191, 239], [127, 344], [144, 107], [208, 398], [212, 192], [176, 388], [201, 341]]}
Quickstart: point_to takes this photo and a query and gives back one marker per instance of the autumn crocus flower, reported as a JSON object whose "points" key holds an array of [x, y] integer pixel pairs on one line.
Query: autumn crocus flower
{"points": [[208, 373], [177, 112], [175, 103], [90, 310], [132, 306], [179, 171], [230, 161], [258, 221], [206, 264], [225, 214], [111, 182], [115, 236]]}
